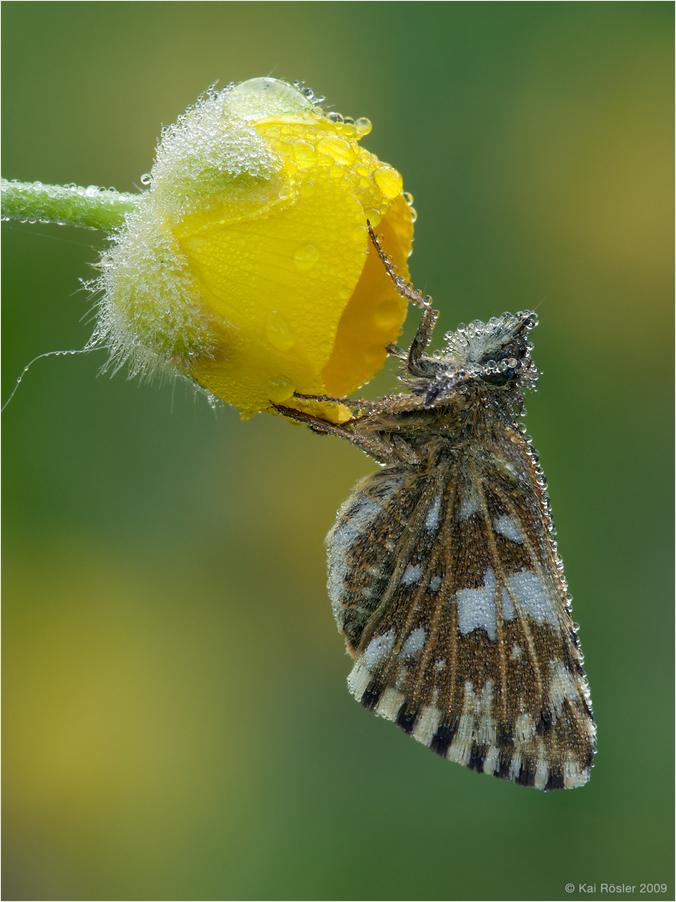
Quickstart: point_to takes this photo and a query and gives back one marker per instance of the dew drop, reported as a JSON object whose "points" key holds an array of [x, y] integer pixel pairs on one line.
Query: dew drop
{"points": [[389, 181], [305, 257], [305, 154], [280, 389], [279, 333], [363, 126], [306, 189], [359, 234], [339, 148]]}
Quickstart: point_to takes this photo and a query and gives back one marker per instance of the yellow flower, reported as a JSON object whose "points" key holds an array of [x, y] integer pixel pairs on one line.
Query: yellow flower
{"points": [[247, 265]]}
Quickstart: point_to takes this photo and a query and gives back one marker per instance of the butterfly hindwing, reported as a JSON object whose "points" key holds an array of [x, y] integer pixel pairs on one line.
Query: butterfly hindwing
{"points": [[447, 586]]}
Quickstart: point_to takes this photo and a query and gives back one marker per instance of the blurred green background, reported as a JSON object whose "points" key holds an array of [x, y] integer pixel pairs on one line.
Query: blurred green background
{"points": [[176, 720]]}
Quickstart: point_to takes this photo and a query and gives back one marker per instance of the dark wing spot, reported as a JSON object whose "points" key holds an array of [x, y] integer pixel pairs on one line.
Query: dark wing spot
{"points": [[571, 662], [477, 758], [583, 704], [589, 758], [544, 724], [443, 738], [555, 780], [371, 695], [407, 717], [526, 775], [504, 763], [505, 735]]}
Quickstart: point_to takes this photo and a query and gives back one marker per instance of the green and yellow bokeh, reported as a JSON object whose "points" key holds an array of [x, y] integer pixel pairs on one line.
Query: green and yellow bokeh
{"points": [[176, 720]]}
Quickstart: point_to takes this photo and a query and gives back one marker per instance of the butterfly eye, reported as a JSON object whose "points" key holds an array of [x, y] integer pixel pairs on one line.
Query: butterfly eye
{"points": [[498, 378], [502, 372]]}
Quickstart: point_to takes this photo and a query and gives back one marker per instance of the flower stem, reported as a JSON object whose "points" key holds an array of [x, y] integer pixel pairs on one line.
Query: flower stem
{"points": [[89, 208]]}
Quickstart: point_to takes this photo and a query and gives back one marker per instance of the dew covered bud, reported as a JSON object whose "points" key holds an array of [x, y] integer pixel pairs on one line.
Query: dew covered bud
{"points": [[246, 265]]}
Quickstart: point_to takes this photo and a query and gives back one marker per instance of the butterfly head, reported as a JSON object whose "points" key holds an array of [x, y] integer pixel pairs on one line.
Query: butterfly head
{"points": [[488, 359]]}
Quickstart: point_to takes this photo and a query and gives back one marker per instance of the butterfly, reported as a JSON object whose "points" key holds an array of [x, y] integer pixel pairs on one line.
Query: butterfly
{"points": [[443, 569]]}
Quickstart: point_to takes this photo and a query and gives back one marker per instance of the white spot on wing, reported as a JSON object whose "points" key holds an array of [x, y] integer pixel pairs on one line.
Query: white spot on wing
{"points": [[435, 582], [492, 760], [476, 608], [541, 773], [470, 502], [476, 724], [414, 642], [432, 519], [412, 575], [527, 592], [508, 612], [562, 685], [378, 648], [390, 703], [358, 680], [427, 724], [508, 528], [524, 728]]}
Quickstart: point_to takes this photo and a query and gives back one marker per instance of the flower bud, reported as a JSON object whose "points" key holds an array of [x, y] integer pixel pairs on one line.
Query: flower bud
{"points": [[247, 264]]}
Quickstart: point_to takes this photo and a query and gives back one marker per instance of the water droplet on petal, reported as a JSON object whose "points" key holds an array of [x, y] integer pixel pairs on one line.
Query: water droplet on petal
{"points": [[363, 126], [359, 234], [305, 257], [305, 154], [279, 333], [389, 181], [340, 149], [280, 389]]}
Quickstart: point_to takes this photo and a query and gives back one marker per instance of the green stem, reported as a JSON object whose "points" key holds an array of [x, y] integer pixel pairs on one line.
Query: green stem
{"points": [[89, 208]]}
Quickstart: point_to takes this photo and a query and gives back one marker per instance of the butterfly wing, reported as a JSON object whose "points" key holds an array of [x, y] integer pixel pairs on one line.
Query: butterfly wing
{"points": [[449, 590]]}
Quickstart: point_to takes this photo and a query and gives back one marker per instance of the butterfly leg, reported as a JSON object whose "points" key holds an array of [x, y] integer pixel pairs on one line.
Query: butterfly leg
{"points": [[428, 321], [371, 444]]}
